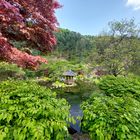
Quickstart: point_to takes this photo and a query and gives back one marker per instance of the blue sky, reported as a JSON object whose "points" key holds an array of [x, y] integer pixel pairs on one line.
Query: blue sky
{"points": [[90, 17]]}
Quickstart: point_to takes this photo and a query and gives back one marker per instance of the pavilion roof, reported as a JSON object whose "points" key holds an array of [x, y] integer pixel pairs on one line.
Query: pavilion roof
{"points": [[69, 73]]}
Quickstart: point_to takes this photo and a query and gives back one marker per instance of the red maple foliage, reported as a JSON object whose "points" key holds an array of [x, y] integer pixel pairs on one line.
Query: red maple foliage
{"points": [[30, 20]]}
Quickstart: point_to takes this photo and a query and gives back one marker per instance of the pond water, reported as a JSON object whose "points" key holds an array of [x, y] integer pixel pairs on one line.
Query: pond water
{"points": [[75, 100]]}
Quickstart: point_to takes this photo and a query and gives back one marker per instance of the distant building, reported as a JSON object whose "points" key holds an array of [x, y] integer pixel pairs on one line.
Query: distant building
{"points": [[69, 77]]}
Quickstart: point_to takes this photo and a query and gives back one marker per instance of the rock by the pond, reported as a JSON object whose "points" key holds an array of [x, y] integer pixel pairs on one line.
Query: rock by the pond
{"points": [[72, 130], [79, 136]]}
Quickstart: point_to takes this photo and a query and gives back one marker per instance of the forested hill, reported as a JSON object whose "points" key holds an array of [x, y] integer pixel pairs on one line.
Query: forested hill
{"points": [[117, 51], [72, 45]]}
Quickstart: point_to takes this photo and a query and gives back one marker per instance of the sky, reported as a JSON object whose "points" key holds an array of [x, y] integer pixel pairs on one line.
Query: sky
{"points": [[91, 17]]}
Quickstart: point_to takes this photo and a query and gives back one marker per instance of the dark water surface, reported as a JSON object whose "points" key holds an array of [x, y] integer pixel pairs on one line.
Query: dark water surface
{"points": [[75, 100]]}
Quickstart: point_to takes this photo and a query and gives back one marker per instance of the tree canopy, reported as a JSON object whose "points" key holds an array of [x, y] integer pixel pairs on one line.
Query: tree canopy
{"points": [[118, 52], [72, 45], [32, 21]]}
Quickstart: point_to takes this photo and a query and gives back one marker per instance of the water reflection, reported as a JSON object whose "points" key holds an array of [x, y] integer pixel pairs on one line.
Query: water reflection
{"points": [[74, 99]]}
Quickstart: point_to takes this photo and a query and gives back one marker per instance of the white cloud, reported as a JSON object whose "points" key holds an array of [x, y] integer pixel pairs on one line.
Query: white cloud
{"points": [[134, 3]]}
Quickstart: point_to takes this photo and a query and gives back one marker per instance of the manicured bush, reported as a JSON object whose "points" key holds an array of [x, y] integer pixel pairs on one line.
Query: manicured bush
{"points": [[111, 118], [31, 112]]}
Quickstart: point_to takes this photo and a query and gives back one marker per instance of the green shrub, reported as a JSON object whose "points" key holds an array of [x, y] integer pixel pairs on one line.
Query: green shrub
{"points": [[85, 84], [31, 112], [10, 71], [120, 86], [111, 118], [30, 74]]}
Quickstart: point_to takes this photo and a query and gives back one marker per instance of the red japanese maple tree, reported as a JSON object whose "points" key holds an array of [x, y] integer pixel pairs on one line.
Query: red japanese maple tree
{"points": [[30, 20]]}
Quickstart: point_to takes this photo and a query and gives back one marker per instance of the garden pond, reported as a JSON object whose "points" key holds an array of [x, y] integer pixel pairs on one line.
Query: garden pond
{"points": [[75, 100]]}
